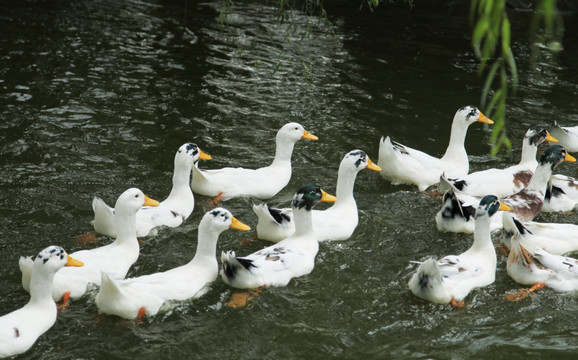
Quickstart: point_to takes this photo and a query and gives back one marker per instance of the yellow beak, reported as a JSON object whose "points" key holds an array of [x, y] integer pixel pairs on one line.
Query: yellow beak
{"points": [[151, 202], [73, 262], [569, 158], [309, 136], [504, 207], [372, 166], [327, 197], [550, 138], [236, 224], [204, 156], [484, 119]]}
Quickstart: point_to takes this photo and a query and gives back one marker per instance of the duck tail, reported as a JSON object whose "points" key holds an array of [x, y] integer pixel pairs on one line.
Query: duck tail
{"points": [[427, 277], [25, 264], [233, 265], [103, 222], [108, 289]]}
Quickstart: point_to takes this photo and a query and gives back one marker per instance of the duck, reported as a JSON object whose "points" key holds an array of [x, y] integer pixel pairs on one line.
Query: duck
{"points": [[555, 238], [507, 181], [529, 264], [262, 183], [455, 214], [568, 136], [450, 279], [292, 257], [335, 223], [115, 258], [133, 298], [561, 194], [403, 165], [171, 212], [20, 329]]}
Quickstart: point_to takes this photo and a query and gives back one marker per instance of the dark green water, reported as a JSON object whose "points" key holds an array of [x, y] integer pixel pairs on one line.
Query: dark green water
{"points": [[96, 96]]}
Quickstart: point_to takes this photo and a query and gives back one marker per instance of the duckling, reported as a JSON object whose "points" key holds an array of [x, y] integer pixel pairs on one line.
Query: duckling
{"points": [[450, 279], [171, 212], [262, 183], [20, 329], [336, 223], [403, 165]]}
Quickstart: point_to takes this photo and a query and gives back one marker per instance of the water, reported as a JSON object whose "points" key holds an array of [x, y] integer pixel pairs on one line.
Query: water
{"points": [[96, 96]]}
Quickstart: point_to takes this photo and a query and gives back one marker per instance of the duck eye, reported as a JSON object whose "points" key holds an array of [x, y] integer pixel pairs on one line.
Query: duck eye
{"points": [[136, 196], [296, 128]]}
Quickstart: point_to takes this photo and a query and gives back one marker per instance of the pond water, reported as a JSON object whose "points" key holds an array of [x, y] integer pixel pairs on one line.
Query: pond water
{"points": [[96, 97]]}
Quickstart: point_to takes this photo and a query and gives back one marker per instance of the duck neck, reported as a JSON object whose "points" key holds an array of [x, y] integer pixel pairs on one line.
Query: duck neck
{"points": [[41, 285], [303, 222], [125, 229], [540, 179], [345, 185], [529, 154], [206, 247], [181, 183], [456, 150], [283, 152], [482, 237]]}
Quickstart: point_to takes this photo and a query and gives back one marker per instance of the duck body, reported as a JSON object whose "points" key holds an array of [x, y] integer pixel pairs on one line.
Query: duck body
{"points": [[561, 194], [403, 165], [115, 259], [568, 136], [507, 181], [335, 223], [292, 257], [555, 238], [171, 212], [530, 264], [20, 329], [262, 183], [455, 214], [126, 298], [451, 278]]}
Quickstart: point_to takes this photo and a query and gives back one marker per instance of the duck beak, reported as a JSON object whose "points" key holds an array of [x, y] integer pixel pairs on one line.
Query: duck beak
{"points": [[236, 224], [569, 158], [204, 156], [484, 119], [309, 136], [550, 138], [151, 202], [372, 166], [73, 262], [327, 197], [504, 207]]}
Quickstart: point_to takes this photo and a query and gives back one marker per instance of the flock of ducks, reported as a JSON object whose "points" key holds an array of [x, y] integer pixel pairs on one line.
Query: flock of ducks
{"points": [[470, 204]]}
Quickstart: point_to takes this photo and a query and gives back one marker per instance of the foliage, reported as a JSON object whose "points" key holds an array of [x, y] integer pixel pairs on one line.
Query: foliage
{"points": [[491, 43]]}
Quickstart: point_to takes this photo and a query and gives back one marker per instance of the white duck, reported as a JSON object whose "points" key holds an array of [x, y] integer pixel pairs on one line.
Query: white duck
{"points": [[132, 298], [115, 258], [555, 238], [336, 223], [292, 257], [562, 194], [529, 264], [568, 136], [20, 328], [450, 279], [456, 212], [262, 183], [508, 181], [171, 212], [403, 165]]}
